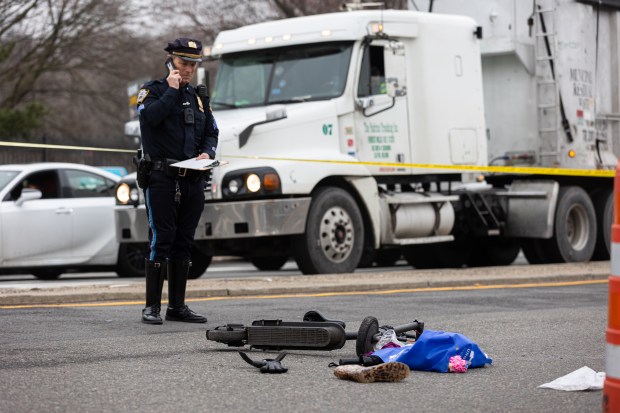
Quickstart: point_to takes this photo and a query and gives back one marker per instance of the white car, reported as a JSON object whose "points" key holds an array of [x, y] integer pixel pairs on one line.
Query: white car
{"points": [[59, 217]]}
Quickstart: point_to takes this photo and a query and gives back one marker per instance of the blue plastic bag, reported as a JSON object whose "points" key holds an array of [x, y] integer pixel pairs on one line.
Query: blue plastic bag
{"points": [[432, 352]]}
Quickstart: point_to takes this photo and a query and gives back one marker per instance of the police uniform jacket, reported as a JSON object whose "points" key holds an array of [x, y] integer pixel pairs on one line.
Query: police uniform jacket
{"points": [[163, 125]]}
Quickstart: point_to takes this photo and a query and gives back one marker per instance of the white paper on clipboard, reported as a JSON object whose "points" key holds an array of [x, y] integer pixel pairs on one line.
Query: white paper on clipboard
{"points": [[199, 164]]}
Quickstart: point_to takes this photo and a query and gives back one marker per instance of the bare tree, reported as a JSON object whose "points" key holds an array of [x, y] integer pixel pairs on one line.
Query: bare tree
{"points": [[73, 57]]}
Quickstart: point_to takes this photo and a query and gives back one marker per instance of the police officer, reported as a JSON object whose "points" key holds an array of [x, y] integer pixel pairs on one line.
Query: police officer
{"points": [[176, 123]]}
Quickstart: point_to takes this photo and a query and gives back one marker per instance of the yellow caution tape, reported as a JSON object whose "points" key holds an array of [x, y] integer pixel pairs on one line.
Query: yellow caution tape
{"points": [[603, 173], [608, 173], [68, 147]]}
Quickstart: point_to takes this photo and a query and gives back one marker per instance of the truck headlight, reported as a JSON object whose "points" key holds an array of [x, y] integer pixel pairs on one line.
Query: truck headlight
{"points": [[255, 182], [127, 194]]}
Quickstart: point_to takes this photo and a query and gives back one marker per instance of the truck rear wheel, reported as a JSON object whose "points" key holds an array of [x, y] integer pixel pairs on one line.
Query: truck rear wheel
{"points": [[453, 254], [533, 250], [603, 200], [493, 251], [574, 232], [334, 236], [268, 263]]}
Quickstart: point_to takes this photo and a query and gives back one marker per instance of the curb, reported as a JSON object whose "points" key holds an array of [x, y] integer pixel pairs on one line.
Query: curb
{"points": [[318, 284]]}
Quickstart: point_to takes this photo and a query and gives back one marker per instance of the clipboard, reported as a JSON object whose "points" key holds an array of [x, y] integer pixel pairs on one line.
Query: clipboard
{"points": [[199, 164]]}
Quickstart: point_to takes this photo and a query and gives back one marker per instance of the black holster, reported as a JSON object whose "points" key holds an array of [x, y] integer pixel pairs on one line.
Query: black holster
{"points": [[144, 171]]}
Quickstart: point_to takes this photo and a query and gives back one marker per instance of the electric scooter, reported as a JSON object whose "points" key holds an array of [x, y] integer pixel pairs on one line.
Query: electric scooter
{"points": [[315, 332]]}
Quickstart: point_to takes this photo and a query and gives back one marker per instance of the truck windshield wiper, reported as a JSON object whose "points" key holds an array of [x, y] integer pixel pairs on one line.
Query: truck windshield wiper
{"points": [[296, 99], [228, 105]]}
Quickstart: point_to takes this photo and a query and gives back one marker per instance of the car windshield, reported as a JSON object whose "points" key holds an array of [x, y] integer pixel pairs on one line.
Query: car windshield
{"points": [[282, 75], [6, 177]]}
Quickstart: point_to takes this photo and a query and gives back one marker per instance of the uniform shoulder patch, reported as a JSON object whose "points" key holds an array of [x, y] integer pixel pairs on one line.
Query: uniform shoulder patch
{"points": [[200, 107], [142, 94]]}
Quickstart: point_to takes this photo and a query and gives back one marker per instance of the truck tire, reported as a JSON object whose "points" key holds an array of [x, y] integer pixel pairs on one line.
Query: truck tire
{"points": [[334, 236], [131, 258], [603, 200], [574, 232], [268, 263], [453, 254], [533, 250], [200, 263], [493, 251], [388, 257]]}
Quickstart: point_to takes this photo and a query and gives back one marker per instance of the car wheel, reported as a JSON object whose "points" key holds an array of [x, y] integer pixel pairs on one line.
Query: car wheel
{"points": [[47, 274], [131, 258]]}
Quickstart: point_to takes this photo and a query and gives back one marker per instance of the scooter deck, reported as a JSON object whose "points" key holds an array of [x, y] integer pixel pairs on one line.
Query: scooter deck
{"points": [[306, 335]]}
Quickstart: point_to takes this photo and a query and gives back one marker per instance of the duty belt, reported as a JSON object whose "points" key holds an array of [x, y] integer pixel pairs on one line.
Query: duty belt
{"points": [[165, 165]]}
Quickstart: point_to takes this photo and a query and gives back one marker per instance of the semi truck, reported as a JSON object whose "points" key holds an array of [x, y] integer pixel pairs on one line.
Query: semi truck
{"points": [[453, 136]]}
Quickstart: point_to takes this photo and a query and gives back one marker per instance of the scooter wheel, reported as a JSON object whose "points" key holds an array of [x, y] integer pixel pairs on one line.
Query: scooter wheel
{"points": [[365, 335]]}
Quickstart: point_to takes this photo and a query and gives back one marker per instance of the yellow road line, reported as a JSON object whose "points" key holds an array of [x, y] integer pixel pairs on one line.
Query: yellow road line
{"points": [[329, 294]]}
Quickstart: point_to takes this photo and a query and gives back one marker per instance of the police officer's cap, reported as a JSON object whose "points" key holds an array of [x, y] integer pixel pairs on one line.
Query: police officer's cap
{"points": [[186, 49]]}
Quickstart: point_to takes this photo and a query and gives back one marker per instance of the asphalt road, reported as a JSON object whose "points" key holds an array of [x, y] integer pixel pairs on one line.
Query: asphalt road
{"points": [[100, 358]]}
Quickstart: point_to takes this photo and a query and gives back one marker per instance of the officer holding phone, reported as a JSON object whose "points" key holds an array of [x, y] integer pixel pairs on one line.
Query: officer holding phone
{"points": [[176, 123]]}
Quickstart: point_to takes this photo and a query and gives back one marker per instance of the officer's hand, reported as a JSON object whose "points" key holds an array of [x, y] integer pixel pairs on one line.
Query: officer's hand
{"points": [[174, 79], [203, 156]]}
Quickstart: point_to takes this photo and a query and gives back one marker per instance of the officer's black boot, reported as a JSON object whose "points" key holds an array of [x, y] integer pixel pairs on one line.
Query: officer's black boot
{"points": [[154, 272], [177, 282]]}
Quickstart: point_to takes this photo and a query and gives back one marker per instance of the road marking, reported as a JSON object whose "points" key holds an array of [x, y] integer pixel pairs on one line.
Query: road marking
{"points": [[311, 295]]}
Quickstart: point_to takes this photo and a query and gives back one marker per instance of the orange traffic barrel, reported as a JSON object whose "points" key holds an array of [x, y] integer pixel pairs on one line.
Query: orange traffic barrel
{"points": [[611, 389]]}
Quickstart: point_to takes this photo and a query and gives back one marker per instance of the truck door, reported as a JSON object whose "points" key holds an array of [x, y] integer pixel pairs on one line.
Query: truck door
{"points": [[381, 118]]}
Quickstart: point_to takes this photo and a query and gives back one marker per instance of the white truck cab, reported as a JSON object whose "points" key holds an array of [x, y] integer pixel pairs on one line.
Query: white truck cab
{"points": [[351, 137]]}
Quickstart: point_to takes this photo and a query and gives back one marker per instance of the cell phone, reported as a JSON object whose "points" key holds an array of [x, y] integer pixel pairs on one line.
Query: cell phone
{"points": [[170, 65]]}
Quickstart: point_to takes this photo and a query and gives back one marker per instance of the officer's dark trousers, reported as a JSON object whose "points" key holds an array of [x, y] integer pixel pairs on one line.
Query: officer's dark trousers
{"points": [[172, 225]]}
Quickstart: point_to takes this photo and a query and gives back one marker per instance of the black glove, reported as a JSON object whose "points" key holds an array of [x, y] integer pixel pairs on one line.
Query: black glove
{"points": [[272, 366]]}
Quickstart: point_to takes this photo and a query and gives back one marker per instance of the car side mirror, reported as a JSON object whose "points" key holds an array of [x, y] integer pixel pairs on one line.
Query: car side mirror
{"points": [[28, 194]]}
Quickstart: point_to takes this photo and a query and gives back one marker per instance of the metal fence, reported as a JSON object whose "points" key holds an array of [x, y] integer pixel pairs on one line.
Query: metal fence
{"points": [[9, 155]]}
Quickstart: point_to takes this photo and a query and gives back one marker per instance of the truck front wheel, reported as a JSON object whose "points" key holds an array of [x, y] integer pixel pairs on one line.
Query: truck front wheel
{"points": [[334, 236]]}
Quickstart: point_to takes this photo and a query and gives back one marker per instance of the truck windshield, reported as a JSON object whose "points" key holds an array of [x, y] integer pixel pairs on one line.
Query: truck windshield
{"points": [[283, 75]]}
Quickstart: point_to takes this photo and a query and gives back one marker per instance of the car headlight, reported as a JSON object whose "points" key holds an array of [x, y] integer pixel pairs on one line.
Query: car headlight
{"points": [[255, 182], [127, 193]]}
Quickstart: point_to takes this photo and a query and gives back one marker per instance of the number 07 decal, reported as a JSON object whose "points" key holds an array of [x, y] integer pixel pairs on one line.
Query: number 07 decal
{"points": [[327, 129]]}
